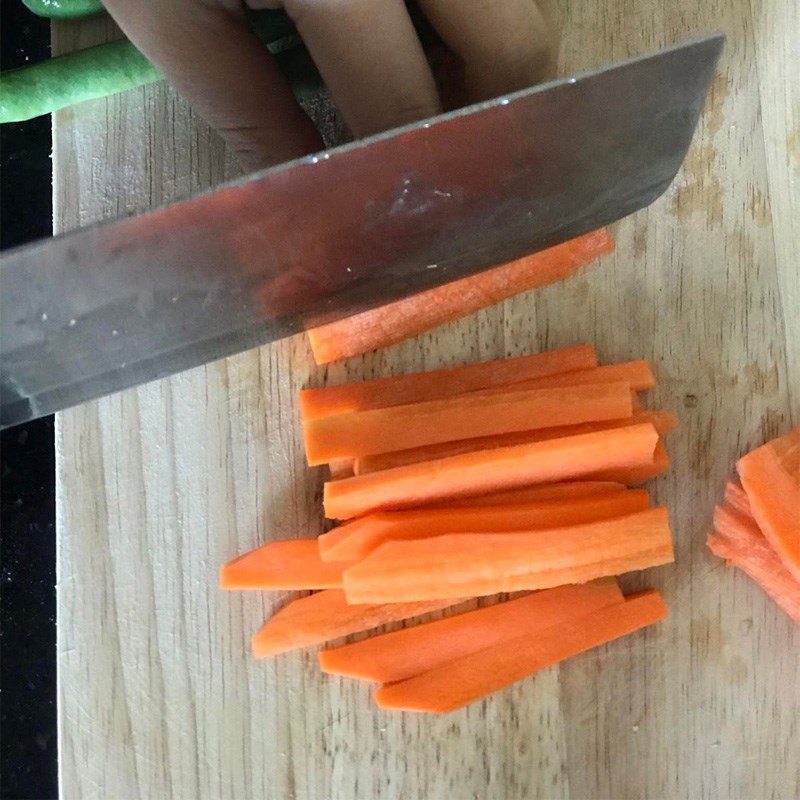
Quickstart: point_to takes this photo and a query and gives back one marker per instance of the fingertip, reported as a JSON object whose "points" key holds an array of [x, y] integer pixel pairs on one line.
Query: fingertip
{"points": [[377, 73]]}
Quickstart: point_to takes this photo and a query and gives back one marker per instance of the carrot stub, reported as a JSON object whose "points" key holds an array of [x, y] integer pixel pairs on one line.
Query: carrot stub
{"points": [[291, 564], [441, 383], [736, 498], [394, 322], [787, 450], [771, 477], [400, 654], [382, 430], [663, 421], [738, 539], [327, 615], [475, 564], [491, 471], [464, 680], [357, 539]]}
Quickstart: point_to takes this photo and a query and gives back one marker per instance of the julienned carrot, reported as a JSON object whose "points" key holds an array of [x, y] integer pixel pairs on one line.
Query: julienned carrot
{"points": [[633, 476], [737, 538], [381, 430], [401, 654], [438, 384], [292, 564], [471, 677], [637, 373], [663, 421], [475, 564], [537, 494], [327, 615], [405, 318], [356, 539], [770, 477], [490, 471]]}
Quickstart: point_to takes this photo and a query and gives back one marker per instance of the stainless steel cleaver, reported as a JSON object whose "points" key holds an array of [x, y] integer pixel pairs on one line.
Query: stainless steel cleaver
{"points": [[108, 307]]}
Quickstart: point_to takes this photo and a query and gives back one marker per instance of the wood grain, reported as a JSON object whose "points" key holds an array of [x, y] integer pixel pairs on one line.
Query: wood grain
{"points": [[157, 486]]}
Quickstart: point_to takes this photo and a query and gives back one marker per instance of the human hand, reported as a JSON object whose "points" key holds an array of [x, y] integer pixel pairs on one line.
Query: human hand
{"points": [[366, 50]]}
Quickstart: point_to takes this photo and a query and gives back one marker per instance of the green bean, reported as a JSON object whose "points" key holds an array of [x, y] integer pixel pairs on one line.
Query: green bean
{"points": [[99, 71], [106, 69], [64, 9]]}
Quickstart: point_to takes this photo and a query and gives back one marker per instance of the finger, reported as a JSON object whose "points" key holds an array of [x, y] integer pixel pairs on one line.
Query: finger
{"points": [[209, 55], [371, 59], [504, 46]]}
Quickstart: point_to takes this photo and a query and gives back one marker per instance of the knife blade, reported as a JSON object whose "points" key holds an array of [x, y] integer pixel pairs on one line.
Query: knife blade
{"points": [[108, 307]]}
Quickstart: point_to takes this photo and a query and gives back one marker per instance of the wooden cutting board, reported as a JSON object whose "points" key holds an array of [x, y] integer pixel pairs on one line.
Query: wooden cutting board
{"points": [[158, 697]]}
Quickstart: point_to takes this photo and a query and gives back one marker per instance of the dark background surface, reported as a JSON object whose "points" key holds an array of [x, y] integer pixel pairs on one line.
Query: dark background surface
{"points": [[28, 744]]}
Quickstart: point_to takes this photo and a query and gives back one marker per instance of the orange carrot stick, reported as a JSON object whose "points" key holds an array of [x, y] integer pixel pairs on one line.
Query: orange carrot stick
{"points": [[633, 476], [469, 678], [292, 564], [326, 615], [475, 564], [358, 538], [401, 654], [737, 538], [772, 481], [490, 471], [663, 421], [637, 373], [537, 494], [441, 383], [388, 324], [381, 430]]}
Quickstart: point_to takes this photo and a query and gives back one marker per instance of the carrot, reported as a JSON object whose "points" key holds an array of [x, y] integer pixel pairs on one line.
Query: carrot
{"points": [[771, 477], [637, 373], [737, 538], [787, 451], [381, 430], [736, 498], [490, 471], [342, 468], [327, 615], [388, 324], [663, 421], [537, 494], [292, 564], [358, 538], [633, 476], [475, 564], [469, 678], [401, 654], [438, 384]]}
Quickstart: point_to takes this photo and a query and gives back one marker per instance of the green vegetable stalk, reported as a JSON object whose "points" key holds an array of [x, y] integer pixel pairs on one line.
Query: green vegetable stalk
{"points": [[99, 71], [107, 69], [64, 9]]}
